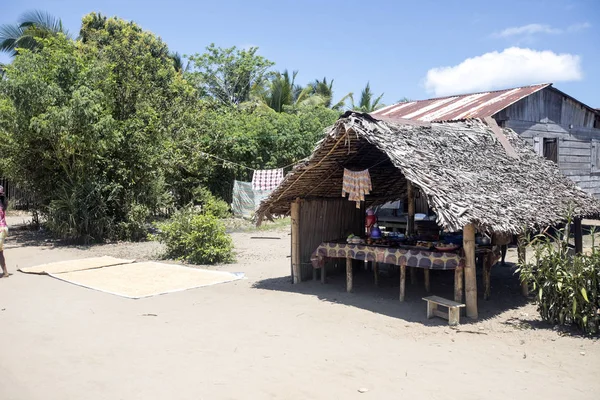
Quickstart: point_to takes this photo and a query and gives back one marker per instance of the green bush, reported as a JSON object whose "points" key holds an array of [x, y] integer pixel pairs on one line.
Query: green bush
{"points": [[566, 286], [79, 213], [211, 204], [195, 238], [134, 227]]}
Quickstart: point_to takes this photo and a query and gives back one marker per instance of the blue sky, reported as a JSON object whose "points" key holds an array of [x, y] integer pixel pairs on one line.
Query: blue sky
{"points": [[417, 49]]}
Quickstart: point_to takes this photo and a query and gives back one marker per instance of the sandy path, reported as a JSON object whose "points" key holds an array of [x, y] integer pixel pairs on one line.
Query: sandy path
{"points": [[261, 338]]}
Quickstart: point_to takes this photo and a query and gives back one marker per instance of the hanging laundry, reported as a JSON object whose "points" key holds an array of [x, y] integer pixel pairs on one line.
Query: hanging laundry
{"points": [[356, 184], [267, 179], [246, 200]]}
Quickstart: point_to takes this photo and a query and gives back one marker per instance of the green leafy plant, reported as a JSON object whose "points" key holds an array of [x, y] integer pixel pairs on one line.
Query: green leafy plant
{"points": [[566, 285], [210, 204], [195, 237]]}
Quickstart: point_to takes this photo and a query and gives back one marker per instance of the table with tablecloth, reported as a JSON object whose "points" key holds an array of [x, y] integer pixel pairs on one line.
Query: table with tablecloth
{"points": [[401, 256]]}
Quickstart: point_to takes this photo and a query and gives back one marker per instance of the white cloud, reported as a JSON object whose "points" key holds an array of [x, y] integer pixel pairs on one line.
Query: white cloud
{"points": [[530, 29], [533, 29], [579, 27], [496, 70]]}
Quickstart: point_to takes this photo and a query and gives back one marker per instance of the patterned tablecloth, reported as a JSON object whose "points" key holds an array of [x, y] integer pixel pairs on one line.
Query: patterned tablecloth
{"points": [[389, 255]]}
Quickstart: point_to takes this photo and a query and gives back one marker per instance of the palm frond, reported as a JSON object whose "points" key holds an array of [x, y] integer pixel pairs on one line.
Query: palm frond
{"points": [[9, 34], [41, 19]]}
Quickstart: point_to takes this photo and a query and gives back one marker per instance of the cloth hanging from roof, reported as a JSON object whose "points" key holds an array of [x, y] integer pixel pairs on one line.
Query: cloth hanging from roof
{"points": [[267, 179], [245, 199], [356, 184]]}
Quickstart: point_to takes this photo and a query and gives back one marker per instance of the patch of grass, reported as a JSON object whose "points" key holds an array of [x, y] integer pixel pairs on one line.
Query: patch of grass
{"points": [[243, 225]]}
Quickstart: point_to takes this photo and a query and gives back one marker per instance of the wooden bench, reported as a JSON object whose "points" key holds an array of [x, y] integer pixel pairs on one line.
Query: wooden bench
{"points": [[453, 314]]}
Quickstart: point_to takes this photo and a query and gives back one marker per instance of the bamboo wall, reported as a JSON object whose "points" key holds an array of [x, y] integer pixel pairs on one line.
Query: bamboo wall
{"points": [[325, 219]]}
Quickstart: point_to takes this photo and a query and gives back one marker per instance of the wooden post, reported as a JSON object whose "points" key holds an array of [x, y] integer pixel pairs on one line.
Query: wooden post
{"points": [[578, 232], [487, 276], [295, 214], [410, 222], [470, 273], [402, 281], [522, 257], [376, 272], [349, 275], [427, 285], [458, 284]]}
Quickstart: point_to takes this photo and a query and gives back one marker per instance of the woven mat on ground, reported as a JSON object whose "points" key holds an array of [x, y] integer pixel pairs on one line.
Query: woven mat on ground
{"points": [[146, 279], [74, 265]]}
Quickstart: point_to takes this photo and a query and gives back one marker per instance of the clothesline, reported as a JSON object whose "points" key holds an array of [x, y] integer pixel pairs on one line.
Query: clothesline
{"points": [[243, 166]]}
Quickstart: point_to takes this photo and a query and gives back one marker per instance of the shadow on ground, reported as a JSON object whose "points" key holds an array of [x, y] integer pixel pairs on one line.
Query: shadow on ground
{"points": [[384, 300]]}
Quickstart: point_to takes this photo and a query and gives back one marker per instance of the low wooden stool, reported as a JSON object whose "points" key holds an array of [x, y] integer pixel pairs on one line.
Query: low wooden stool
{"points": [[453, 314]]}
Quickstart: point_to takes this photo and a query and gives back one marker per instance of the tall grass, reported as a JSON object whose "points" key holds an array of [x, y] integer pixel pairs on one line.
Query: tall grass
{"points": [[566, 285]]}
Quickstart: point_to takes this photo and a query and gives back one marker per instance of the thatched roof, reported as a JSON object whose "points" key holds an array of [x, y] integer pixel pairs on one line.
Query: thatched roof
{"points": [[463, 168]]}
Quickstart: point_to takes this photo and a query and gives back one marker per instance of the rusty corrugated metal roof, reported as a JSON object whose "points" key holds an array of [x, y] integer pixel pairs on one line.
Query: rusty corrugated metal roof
{"points": [[456, 108]]}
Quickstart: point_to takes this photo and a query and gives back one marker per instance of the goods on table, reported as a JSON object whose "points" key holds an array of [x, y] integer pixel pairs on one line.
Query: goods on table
{"points": [[353, 239], [424, 244], [440, 246]]}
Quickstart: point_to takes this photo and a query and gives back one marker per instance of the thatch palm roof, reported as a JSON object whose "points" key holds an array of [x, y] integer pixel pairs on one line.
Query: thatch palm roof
{"points": [[465, 171]]}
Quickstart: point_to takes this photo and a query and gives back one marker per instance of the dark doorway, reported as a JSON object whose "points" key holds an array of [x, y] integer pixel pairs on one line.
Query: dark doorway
{"points": [[551, 149]]}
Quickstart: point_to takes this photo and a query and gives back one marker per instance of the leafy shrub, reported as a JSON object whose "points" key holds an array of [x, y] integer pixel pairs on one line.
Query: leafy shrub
{"points": [[210, 204], [134, 228], [195, 238], [79, 213], [567, 286]]}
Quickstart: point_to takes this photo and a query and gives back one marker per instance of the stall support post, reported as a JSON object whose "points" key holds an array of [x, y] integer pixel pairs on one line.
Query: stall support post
{"points": [[487, 275], [295, 216], [470, 273], [410, 222], [402, 281], [426, 278], [458, 284], [349, 276], [522, 259], [578, 232]]}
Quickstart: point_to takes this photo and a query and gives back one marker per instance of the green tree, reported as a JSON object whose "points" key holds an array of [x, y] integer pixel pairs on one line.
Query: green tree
{"points": [[324, 90], [90, 124], [228, 75], [368, 102], [282, 92], [27, 32], [255, 138]]}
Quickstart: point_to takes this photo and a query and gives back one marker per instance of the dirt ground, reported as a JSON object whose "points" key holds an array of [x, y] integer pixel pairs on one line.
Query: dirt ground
{"points": [[262, 338]]}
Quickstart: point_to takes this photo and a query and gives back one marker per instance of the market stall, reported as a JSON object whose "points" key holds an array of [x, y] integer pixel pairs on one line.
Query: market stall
{"points": [[477, 178]]}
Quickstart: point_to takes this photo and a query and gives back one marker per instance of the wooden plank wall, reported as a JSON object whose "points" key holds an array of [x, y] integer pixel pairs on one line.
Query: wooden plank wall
{"points": [[326, 219], [574, 149], [549, 106]]}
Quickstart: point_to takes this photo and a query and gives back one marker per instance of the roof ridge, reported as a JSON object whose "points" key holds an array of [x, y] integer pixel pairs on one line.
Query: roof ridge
{"points": [[481, 92]]}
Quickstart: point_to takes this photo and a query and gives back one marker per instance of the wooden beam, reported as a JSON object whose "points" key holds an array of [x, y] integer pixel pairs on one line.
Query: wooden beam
{"points": [[470, 273], [375, 272], [487, 276], [522, 259], [427, 283], [410, 196], [349, 276], [295, 217], [402, 281], [413, 275], [458, 284], [578, 232]]}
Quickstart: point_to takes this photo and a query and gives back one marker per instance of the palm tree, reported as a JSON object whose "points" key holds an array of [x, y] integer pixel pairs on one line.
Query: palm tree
{"points": [[282, 91], [30, 26], [367, 104], [324, 90], [178, 63]]}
